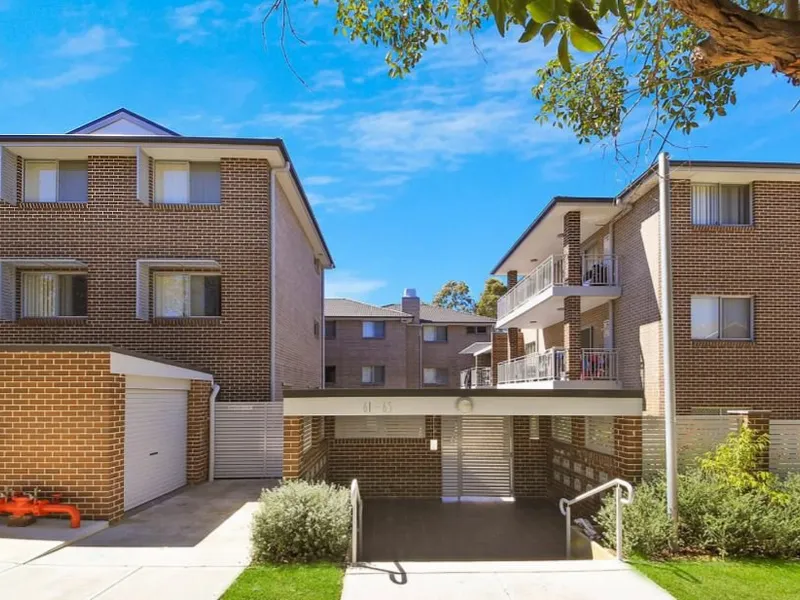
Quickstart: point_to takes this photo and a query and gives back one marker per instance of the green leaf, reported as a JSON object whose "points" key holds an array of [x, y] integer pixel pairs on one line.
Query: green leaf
{"points": [[519, 12], [585, 41], [562, 7], [541, 11], [531, 29], [498, 8], [563, 54], [581, 17], [637, 8], [623, 14], [606, 6], [548, 31]]}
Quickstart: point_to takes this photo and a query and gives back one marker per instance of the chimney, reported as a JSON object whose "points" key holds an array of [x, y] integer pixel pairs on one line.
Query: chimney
{"points": [[411, 303]]}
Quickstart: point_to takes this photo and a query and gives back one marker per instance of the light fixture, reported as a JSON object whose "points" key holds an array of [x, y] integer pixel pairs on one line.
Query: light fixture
{"points": [[560, 235]]}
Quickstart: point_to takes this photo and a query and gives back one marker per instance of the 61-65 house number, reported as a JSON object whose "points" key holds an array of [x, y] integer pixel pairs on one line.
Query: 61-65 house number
{"points": [[384, 407]]}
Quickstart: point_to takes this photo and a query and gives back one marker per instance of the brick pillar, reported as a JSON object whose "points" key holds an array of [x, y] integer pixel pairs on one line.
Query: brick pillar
{"points": [[579, 431], [292, 446], [516, 346], [758, 421], [572, 304], [628, 448], [499, 352], [197, 434]]}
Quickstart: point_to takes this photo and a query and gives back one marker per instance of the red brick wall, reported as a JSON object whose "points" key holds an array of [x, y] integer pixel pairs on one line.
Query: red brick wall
{"points": [[113, 230], [388, 467], [349, 352], [62, 428], [531, 464], [445, 355], [298, 303], [197, 438]]}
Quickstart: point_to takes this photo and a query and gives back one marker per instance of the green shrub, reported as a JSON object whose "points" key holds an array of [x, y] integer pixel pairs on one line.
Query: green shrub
{"points": [[300, 522]]}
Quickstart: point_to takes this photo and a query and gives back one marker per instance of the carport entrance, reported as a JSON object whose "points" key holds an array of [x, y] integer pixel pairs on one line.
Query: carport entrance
{"points": [[431, 530], [476, 457]]}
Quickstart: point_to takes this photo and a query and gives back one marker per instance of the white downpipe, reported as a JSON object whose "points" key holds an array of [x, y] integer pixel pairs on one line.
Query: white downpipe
{"points": [[664, 208], [273, 334], [211, 425]]}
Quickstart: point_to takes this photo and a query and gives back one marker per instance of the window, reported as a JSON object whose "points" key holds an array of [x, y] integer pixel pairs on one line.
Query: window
{"points": [[373, 329], [530, 348], [434, 333], [562, 429], [56, 181], [330, 374], [330, 330], [431, 376], [373, 375], [600, 434], [184, 295], [722, 318], [316, 329], [380, 427], [721, 204], [476, 330], [587, 337], [187, 182], [53, 295]]}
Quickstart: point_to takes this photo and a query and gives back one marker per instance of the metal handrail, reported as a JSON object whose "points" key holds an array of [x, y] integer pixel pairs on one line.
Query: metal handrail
{"points": [[358, 520], [565, 506]]}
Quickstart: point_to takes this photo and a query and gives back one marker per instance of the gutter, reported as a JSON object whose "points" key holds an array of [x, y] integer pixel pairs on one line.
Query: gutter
{"points": [[211, 425], [273, 211]]}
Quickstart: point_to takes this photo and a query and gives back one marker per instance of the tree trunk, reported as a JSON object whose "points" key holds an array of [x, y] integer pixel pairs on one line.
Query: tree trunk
{"points": [[739, 36]]}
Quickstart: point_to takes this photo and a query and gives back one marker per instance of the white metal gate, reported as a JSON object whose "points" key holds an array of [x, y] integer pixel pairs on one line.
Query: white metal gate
{"points": [[476, 457], [248, 440]]}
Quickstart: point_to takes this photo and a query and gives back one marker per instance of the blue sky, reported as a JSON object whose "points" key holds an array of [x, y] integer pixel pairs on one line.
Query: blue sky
{"points": [[414, 182]]}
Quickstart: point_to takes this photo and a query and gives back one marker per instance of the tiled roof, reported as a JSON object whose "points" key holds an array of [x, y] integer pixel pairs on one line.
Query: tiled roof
{"points": [[435, 314], [477, 348], [346, 308]]}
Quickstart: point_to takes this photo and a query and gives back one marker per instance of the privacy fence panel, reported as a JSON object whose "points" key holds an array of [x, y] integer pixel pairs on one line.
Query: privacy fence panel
{"points": [[784, 447], [248, 440]]}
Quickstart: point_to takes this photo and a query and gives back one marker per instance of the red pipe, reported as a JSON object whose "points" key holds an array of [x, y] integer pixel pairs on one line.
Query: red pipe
{"points": [[19, 506]]}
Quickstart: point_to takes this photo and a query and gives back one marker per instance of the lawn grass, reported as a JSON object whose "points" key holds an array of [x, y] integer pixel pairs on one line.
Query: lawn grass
{"points": [[288, 582], [725, 579]]}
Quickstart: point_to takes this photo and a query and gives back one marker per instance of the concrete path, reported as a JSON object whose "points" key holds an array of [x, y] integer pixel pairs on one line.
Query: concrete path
{"points": [[190, 546], [551, 580]]}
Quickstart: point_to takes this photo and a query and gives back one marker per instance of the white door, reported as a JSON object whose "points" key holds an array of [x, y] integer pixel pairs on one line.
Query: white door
{"points": [[155, 444], [476, 457]]}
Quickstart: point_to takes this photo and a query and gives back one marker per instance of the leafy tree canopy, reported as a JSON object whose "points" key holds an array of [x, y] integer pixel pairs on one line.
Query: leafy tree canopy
{"points": [[679, 59], [487, 303], [455, 295]]}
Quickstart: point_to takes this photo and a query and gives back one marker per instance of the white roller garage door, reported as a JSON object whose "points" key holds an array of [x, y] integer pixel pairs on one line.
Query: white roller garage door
{"points": [[155, 443]]}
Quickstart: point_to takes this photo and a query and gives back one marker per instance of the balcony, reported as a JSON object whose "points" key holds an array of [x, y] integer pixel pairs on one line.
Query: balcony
{"points": [[548, 370], [476, 377], [538, 299]]}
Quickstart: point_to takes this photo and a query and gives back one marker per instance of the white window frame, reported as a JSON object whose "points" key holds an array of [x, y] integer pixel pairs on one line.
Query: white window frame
{"points": [[56, 294], [600, 434], [372, 337], [187, 298], [719, 187], [371, 380], [435, 329], [562, 424], [720, 298], [437, 371]]}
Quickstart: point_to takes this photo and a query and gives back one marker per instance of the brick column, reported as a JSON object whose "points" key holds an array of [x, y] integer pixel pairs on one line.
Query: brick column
{"points": [[292, 446], [197, 434], [758, 421], [628, 448], [572, 304], [516, 346], [579, 431], [499, 352]]}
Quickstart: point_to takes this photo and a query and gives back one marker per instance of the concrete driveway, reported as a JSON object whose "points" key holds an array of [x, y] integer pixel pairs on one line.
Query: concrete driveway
{"points": [[193, 544]]}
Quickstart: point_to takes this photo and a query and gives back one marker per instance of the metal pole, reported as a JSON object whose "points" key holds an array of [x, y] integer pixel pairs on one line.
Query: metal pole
{"points": [[664, 208], [569, 531], [618, 504]]}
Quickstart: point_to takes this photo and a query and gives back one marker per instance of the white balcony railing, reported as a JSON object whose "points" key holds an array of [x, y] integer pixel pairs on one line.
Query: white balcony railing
{"points": [[476, 377], [596, 270], [597, 364]]}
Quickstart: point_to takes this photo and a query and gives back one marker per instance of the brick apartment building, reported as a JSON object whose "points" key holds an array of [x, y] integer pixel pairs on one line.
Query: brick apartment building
{"points": [[406, 345], [579, 385], [128, 252]]}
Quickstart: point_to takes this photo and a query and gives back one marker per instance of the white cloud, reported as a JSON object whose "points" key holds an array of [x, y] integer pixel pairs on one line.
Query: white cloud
{"points": [[320, 180], [93, 40], [327, 79], [318, 105], [346, 284], [74, 75], [352, 202], [187, 19]]}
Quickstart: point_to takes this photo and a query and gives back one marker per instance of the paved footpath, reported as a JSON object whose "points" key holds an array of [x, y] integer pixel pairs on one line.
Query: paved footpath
{"points": [[542, 580]]}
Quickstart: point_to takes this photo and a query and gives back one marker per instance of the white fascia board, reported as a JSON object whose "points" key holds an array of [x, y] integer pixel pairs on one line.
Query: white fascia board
{"points": [[178, 263], [44, 263], [462, 405], [124, 364]]}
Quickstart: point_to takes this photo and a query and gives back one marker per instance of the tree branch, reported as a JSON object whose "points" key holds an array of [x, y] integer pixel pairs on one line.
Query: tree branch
{"points": [[739, 36]]}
